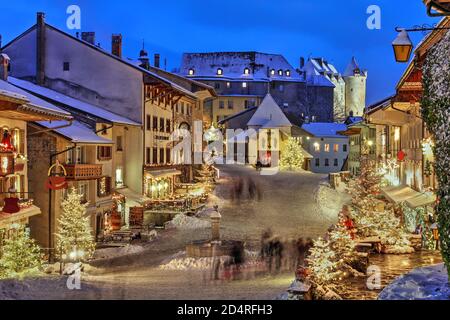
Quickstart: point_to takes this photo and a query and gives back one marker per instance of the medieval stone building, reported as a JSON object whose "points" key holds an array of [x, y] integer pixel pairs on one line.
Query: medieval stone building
{"points": [[315, 91]]}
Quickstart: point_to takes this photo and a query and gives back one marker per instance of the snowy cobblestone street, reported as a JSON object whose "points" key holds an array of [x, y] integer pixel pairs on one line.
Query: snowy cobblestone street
{"points": [[287, 206]]}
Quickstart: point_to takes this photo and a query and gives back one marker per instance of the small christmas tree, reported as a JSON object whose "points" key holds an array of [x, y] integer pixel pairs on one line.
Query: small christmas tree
{"points": [[322, 263], [19, 256], [74, 237], [341, 242], [367, 186], [292, 157]]}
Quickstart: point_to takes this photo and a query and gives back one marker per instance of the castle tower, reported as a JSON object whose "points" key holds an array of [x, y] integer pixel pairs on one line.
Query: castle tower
{"points": [[355, 89]]}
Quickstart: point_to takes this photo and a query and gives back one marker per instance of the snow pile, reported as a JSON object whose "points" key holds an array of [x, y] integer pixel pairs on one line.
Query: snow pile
{"points": [[108, 253], [184, 222], [330, 201], [193, 264], [429, 283]]}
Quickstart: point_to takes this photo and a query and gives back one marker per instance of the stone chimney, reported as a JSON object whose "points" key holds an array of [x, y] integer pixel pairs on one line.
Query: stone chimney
{"points": [[4, 66], [117, 45], [89, 37], [302, 62], [40, 49], [157, 60]]}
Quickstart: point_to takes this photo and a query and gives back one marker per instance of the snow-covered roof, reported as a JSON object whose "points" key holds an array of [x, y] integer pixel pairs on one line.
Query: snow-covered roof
{"points": [[30, 100], [71, 102], [352, 68], [126, 61], [269, 114], [324, 129], [76, 133], [318, 72], [233, 65]]}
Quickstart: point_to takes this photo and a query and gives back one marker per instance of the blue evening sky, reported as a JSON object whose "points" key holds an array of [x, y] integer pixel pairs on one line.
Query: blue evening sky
{"points": [[333, 29]]}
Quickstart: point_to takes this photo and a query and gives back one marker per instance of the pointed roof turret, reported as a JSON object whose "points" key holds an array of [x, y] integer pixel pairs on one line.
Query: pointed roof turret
{"points": [[352, 69]]}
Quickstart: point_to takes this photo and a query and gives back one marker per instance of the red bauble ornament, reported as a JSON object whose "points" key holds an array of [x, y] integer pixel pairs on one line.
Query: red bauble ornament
{"points": [[401, 155]]}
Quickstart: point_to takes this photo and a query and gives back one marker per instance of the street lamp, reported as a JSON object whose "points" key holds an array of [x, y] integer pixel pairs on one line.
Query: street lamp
{"points": [[403, 46]]}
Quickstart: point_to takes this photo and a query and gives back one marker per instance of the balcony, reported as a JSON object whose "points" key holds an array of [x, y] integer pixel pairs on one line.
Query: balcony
{"points": [[84, 171]]}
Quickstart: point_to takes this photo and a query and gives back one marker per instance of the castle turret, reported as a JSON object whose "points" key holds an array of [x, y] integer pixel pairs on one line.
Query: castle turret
{"points": [[355, 89]]}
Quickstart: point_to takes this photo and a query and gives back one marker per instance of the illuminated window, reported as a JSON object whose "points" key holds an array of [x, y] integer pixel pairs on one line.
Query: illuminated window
{"points": [[228, 85], [397, 134], [244, 84], [288, 73], [191, 72], [316, 147], [280, 72], [272, 72], [219, 72], [336, 148], [119, 176], [327, 147], [246, 71]]}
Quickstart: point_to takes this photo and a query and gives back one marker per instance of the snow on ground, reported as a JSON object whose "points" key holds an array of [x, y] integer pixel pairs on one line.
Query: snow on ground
{"points": [[192, 264], [330, 201], [114, 252], [184, 222], [428, 283]]}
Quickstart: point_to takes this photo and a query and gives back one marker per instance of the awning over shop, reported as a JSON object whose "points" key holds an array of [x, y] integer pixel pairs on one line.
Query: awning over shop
{"points": [[6, 220], [422, 200], [158, 174], [133, 198], [406, 194]]}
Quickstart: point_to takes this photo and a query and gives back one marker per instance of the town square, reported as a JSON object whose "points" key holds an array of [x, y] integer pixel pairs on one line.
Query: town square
{"points": [[145, 158]]}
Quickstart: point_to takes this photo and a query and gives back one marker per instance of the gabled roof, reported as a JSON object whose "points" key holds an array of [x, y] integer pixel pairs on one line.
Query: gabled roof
{"points": [[269, 114], [252, 109], [324, 129], [76, 133], [127, 62], [71, 102], [31, 102], [233, 64], [386, 102]]}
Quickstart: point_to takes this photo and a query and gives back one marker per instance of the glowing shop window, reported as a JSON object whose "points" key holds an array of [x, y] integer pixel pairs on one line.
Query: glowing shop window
{"points": [[397, 134], [244, 84], [119, 177]]}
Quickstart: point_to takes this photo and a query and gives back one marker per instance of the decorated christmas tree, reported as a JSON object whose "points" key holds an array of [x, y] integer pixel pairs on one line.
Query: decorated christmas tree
{"points": [[292, 156], [341, 242], [74, 237], [323, 263], [19, 256]]}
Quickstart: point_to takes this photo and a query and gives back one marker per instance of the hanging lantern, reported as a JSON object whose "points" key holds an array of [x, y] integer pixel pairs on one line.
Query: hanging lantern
{"points": [[403, 47]]}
